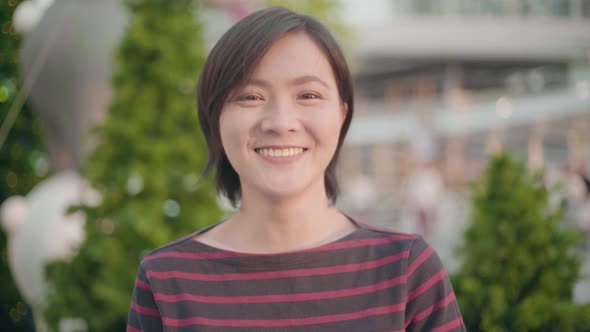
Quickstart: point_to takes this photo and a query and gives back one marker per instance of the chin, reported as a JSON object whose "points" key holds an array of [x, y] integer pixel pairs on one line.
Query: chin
{"points": [[284, 190]]}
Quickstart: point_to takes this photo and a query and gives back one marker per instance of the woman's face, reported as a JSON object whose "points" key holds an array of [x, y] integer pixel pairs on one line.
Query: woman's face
{"points": [[281, 130]]}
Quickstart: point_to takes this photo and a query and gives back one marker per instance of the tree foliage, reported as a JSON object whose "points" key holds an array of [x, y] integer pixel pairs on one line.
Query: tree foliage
{"points": [[22, 164], [520, 263]]}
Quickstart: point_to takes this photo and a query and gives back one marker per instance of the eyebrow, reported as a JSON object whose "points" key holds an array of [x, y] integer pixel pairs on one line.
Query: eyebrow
{"points": [[308, 78], [296, 81]]}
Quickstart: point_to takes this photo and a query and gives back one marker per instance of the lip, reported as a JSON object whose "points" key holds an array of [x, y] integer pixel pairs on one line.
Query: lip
{"points": [[281, 160], [279, 147]]}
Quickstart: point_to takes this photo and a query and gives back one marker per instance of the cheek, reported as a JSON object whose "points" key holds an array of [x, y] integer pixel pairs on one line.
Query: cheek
{"points": [[227, 133], [325, 127], [334, 123], [335, 129], [233, 132]]}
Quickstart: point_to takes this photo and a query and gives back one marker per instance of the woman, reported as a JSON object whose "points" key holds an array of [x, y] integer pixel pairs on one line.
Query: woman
{"points": [[275, 102]]}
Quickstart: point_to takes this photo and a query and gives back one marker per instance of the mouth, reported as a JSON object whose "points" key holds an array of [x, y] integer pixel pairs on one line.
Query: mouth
{"points": [[280, 152]]}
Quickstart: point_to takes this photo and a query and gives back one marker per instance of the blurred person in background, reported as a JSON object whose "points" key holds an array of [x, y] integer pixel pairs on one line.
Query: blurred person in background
{"points": [[275, 101]]}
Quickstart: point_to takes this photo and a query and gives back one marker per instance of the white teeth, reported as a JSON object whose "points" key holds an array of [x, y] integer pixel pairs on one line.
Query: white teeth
{"points": [[280, 152]]}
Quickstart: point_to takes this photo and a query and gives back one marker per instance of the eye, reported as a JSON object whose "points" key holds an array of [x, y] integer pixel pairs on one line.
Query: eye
{"points": [[250, 97], [309, 95]]}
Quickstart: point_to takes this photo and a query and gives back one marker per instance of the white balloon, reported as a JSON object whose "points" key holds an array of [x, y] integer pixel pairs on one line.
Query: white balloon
{"points": [[26, 16], [14, 214], [44, 4], [45, 231]]}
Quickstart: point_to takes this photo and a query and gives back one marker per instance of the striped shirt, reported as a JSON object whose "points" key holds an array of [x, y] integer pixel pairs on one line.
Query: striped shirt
{"points": [[370, 280]]}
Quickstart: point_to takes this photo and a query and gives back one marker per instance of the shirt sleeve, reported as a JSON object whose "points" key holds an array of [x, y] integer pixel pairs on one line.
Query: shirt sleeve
{"points": [[144, 315], [430, 299]]}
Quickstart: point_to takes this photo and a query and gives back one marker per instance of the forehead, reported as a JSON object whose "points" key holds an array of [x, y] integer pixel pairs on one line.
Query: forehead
{"points": [[294, 54]]}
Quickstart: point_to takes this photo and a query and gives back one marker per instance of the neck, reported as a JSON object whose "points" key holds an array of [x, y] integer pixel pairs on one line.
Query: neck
{"points": [[284, 224]]}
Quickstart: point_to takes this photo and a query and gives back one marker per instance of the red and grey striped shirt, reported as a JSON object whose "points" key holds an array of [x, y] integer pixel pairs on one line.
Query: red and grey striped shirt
{"points": [[370, 280]]}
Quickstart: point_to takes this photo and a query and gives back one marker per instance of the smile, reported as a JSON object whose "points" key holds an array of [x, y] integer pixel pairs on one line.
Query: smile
{"points": [[286, 152]]}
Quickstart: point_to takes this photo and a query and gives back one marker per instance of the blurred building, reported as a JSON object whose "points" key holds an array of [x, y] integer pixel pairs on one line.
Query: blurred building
{"points": [[440, 84]]}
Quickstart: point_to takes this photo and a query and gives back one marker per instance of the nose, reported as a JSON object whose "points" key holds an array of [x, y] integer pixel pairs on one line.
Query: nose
{"points": [[280, 117]]}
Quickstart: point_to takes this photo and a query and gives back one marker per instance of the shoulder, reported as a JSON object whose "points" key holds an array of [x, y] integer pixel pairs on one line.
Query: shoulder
{"points": [[392, 238], [415, 249], [175, 252]]}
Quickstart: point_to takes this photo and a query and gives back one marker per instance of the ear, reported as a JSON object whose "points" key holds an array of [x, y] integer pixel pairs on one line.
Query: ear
{"points": [[344, 112]]}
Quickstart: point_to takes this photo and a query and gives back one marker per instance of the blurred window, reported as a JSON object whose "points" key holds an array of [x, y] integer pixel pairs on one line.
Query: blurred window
{"points": [[491, 7], [366, 162], [585, 8]]}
